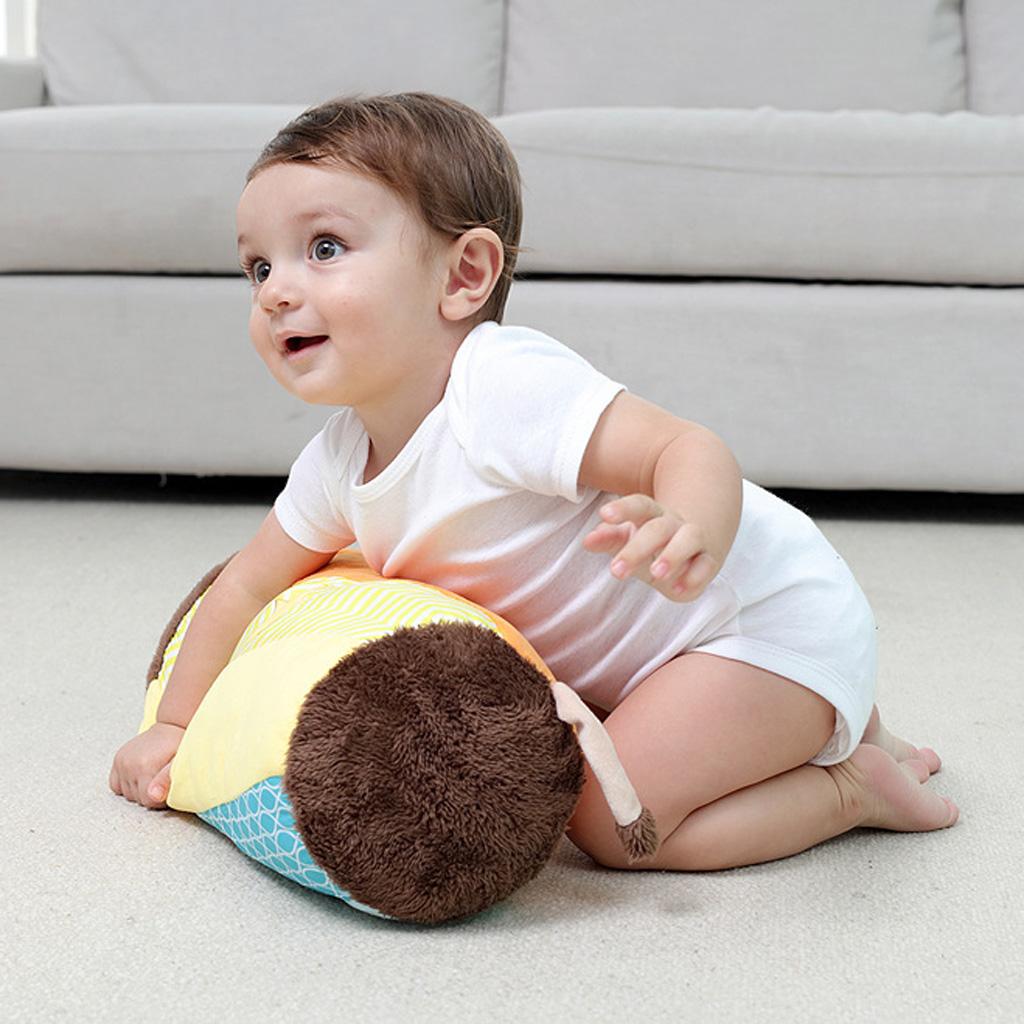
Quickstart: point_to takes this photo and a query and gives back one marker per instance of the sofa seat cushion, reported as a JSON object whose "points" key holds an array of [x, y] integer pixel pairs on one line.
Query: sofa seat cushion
{"points": [[849, 195], [134, 188], [812, 385], [612, 191]]}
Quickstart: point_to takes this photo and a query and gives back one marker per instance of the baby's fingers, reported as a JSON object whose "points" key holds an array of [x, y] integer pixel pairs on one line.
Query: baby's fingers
{"points": [[635, 557], [695, 576], [605, 537], [122, 783], [157, 790], [633, 508], [683, 567]]}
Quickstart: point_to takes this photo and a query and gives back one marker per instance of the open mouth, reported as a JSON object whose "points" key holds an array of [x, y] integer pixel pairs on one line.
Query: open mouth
{"points": [[297, 344]]}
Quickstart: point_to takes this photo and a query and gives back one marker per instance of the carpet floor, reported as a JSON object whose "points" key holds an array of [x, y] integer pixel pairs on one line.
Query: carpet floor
{"points": [[113, 912]]}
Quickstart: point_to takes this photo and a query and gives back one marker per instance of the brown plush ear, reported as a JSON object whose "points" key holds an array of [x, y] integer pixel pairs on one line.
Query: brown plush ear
{"points": [[180, 613], [429, 773]]}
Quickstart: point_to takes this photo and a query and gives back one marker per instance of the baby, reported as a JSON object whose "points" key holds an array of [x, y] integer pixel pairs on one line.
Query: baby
{"points": [[726, 643]]}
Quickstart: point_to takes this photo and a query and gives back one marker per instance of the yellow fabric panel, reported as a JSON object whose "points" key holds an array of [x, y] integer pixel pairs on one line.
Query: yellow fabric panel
{"points": [[240, 733], [153, 694]]}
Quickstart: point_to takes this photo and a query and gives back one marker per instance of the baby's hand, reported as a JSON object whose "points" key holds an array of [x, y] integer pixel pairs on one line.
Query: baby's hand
{"points": [[142, 767], [654, 545]]}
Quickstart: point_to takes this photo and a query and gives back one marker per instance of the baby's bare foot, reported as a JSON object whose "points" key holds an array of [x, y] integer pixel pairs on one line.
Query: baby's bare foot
{"points": [[877, 735], [890, 792]]}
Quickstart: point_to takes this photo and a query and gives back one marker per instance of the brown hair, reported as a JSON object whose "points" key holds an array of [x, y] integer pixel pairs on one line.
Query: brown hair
{"points": [[441, 157]]}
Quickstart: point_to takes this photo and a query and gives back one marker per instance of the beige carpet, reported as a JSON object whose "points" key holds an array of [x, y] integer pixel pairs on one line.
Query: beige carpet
{"points": [[110, 912]]}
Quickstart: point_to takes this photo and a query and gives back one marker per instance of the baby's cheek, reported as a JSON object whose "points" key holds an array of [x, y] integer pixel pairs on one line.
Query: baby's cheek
{"points": [[259, 334]]}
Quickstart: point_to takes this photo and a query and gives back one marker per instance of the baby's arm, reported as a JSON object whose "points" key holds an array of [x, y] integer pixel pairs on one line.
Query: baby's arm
{"points": [[682, 496], [270, 563]]}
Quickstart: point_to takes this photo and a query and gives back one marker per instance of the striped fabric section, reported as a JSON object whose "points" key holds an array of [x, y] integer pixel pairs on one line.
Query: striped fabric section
{"points": [[328, 603], [364, 611], [174, 646]]}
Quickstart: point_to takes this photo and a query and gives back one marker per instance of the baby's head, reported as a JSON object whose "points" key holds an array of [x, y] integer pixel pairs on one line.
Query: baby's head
{"points": [[374, 224], [443, 159]]}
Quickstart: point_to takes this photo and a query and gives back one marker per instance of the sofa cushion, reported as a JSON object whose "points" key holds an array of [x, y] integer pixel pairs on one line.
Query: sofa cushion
{"points": [[263, 51], [812, 385], [762, 193], [995, 52], [902, 55], [862, 196], [135, 188], [815, 385]]}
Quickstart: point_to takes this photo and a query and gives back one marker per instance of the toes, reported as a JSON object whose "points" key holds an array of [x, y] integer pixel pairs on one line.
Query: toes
{"points": [[934, 812], [954, 811], [901, 801], [915, 769], [903, 751]]}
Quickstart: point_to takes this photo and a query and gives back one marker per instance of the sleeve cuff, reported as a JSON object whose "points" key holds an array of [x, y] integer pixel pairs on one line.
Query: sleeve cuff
{"points": [[585, 417], [301, 530]]}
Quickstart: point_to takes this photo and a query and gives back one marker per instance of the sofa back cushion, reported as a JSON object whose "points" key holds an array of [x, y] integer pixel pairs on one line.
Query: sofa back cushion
{"points": [[265, 51], [900, 55], [995, 54]]}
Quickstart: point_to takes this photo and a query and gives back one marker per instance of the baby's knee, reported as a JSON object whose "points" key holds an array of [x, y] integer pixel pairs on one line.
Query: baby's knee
{"points": [[603, 848], [689, 850], [593, 831]]}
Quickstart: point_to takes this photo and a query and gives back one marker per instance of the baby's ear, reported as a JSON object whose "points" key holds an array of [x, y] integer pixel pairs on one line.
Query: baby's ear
{"points": [[476, 261]]}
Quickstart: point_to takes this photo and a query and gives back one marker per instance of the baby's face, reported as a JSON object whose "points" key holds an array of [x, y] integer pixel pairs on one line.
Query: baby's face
{"points": [[343, 301]]}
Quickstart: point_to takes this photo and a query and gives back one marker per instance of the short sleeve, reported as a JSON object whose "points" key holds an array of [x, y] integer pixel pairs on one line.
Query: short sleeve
{"points": [[308, 507], [524, 407]]}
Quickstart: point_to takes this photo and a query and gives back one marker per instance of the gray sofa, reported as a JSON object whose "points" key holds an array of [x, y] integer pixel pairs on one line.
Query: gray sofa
{"points": [[799, 223]]}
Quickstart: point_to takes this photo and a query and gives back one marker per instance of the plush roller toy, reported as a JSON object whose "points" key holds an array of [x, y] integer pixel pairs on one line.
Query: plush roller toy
{"points": [[389, 743]]}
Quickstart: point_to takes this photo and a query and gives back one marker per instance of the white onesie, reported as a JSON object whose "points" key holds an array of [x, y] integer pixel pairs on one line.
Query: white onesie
{"points": [[483, 501]]}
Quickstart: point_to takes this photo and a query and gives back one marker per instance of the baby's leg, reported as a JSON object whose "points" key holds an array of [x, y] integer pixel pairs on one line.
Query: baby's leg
{"points": [[718, 750]]}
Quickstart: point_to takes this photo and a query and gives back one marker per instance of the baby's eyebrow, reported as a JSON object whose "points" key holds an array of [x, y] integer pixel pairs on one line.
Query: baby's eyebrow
{"points": [[329, 211], [320, 213]]}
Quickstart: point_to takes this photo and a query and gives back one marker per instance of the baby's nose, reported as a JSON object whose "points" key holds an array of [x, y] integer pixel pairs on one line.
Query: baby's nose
{"points": [[279, 290]]}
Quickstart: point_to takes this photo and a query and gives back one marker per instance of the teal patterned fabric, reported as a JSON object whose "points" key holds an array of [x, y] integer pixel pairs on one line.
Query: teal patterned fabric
{"points": [[261, 824]]}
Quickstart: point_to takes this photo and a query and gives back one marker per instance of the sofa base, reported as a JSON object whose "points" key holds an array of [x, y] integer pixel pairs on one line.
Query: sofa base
{"points": [[845, 386], [812, 385]]}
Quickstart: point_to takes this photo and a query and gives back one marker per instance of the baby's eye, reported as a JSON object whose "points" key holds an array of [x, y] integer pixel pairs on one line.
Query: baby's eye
{"points": [[326, 248], [256, 270]]}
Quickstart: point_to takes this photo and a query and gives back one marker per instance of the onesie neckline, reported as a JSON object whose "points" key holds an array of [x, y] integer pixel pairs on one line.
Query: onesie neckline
{"points": [[404, 460]]}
